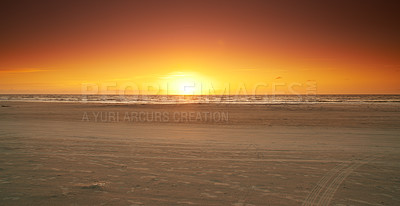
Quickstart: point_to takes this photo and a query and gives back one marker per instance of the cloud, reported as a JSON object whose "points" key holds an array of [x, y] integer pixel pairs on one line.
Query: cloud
{"points": [[395, 66], [278, 77], [174, 75], [246, 69], [22, 70]]}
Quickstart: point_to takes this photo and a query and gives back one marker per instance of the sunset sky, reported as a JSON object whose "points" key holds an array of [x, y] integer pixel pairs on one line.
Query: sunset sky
{"points": [[62, 46]]}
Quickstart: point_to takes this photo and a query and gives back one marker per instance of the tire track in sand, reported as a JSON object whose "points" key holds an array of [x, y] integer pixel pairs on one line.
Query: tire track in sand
{"points": [[312, 196], [333, 187], [330, 182]]}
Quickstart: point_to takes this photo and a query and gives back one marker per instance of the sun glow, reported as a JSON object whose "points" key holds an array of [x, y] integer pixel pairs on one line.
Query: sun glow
{"points": [[187, 83]]}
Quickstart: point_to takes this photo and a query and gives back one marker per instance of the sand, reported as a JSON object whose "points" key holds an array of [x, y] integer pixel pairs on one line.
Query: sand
{"points": [[314, 154]]}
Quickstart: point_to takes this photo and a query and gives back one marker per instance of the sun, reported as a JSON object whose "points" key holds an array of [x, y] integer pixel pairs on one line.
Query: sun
{"points": [[187, 83]]}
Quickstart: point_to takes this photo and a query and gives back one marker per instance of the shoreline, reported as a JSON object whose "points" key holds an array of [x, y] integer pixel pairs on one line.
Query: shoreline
{"points": [[211, 103]]}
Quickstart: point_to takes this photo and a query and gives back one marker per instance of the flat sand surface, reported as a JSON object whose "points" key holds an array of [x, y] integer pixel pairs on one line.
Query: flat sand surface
{"points": [[306, 154]]}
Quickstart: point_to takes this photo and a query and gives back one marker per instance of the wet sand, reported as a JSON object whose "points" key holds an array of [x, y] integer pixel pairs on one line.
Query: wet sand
{"points": [[314, 154]]}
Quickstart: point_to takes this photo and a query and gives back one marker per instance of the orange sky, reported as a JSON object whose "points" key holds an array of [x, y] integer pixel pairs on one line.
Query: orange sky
{"points": [[63, 46]]}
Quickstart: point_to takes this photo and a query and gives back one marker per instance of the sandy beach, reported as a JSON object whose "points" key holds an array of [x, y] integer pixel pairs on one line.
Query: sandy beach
{"points": [[297, 154]]}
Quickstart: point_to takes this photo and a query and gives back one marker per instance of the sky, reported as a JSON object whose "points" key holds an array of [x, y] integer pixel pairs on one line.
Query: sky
{"points": [[200, 47]]}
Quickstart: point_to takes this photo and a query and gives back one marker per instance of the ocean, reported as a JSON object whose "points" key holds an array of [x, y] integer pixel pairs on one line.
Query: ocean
{"points": [[215, 99]]}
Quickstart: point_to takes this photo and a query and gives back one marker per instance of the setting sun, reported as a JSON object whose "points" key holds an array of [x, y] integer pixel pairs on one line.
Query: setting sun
{"points": [[186, 83]]}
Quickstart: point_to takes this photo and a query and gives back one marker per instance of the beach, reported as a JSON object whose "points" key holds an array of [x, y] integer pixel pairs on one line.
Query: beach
{"points": [[199, 154]]}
